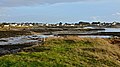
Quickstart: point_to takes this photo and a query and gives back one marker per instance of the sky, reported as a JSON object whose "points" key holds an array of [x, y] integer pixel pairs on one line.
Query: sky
{"points": [[53, 11]]}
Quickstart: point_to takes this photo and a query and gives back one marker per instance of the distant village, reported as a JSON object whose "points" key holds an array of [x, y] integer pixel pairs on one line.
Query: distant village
{"points": [[61, 24]]}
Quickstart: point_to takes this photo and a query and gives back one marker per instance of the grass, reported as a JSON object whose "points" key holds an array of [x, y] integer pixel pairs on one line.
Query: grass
{"points": [[66, 52]]}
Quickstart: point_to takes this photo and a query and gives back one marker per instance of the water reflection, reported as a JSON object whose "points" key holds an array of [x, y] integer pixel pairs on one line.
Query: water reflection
{"points": [[112, 29], [22, 39], [96, 36]]}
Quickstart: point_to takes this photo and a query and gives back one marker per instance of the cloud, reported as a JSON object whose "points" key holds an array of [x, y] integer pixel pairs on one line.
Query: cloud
{"points": [[116, 14], [95, 18], [17, 3], [2, 11]]}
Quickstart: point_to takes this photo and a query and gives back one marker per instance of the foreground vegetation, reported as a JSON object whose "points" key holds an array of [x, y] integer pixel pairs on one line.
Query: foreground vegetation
{"points": [[66, 52]]}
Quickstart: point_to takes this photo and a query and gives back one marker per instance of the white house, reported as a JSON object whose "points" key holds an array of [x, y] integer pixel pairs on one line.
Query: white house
{"points": [[6, 25]]}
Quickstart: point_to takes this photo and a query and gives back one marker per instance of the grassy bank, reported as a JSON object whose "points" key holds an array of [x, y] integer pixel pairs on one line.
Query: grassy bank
{"points": [[66, 52], [5, 34]]}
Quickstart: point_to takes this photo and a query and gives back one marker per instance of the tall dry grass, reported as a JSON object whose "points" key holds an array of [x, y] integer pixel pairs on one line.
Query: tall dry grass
{"points": [[101, 47]]}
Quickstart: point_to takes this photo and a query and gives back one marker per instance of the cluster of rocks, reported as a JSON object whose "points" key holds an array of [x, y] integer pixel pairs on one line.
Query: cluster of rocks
{"points": [[5, 51], [12, 49]]}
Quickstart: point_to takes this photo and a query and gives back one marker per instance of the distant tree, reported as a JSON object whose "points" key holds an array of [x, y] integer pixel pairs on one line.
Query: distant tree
{"points": [[5, 23], [66, 23], [84, 23], [60, 24], [95, 22]]}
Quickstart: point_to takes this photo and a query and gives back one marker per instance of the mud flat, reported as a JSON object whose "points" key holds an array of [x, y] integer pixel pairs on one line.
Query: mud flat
{"points": [[63, 29], [89, 34], [13, 45]]}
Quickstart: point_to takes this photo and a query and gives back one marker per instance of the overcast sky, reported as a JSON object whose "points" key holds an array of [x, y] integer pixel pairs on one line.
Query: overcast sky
{"points": [[52, 11]]}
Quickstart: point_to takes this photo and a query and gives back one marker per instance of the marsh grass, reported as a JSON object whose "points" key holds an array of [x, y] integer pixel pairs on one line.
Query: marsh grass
{"points": [[66, 52]]}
